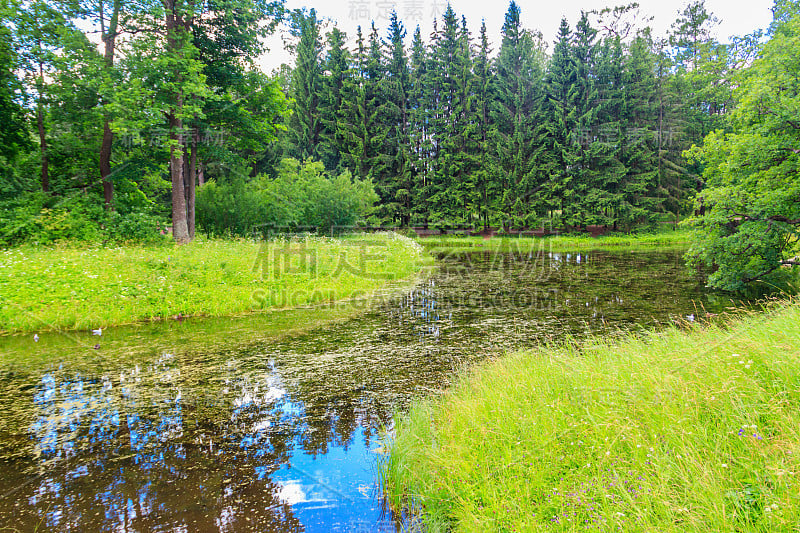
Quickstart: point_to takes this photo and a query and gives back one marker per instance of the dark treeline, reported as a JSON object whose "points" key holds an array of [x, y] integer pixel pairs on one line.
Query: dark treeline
{"points": [[455, 130], [119, 117]]}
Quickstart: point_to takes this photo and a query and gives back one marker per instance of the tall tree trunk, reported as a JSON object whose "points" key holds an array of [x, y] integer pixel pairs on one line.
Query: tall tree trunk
{"points": [[191, 182], [180, 228], [42, 133], [109, 38]]}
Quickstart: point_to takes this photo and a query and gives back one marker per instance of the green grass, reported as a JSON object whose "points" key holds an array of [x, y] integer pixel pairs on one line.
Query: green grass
{"points": [[61, 288], [693, 430], [664, 238]]}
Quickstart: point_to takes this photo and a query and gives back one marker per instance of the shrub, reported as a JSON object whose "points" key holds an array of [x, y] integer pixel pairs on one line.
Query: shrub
{"points": [[302, 194], [44, 219]]}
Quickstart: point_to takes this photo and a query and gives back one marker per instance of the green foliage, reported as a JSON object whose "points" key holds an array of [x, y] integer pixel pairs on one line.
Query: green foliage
{"points": [[751, 225], [337, 70], [306, 86], [37, 218], [302, 194], [13, 128], [449, 133]]}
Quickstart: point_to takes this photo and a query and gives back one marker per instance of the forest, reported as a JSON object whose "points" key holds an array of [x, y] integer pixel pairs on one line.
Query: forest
{"points": [[122, 120]]}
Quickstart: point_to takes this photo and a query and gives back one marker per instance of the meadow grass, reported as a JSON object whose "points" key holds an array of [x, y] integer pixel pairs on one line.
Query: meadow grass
{"points": [[678, 430], [666, 237], [62, 288]]}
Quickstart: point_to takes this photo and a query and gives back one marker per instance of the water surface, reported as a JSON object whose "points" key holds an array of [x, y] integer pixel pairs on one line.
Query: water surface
{"points": [[236, 425]]}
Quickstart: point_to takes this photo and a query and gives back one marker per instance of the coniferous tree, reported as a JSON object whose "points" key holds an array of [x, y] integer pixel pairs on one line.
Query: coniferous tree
{"points": [[486, 189], [635, 196], [673, 178], [396, 116], [305, 123], [513, 137], [336, 72], [452, 187], [611, 130], [433, 120], [450, 136], [376, 89], [585, 192], [359, 128], [469, 134], [700, 66], [418, 126], [558, 126]]}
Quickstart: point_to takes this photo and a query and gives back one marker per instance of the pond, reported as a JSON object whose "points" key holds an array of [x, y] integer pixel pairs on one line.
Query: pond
{"points": [[237, 425]]}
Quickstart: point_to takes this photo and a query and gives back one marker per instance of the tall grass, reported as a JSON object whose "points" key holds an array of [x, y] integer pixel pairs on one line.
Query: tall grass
{"points": [[673, 431], [77, 288]]}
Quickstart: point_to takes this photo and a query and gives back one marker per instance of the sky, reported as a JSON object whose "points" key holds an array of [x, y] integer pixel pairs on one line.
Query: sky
{"points": [[736, 18]]}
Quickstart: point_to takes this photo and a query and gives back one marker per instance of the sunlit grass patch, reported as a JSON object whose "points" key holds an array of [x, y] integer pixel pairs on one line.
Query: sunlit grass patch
{"points": [[675, 431], [559, 243], [79, 288]]}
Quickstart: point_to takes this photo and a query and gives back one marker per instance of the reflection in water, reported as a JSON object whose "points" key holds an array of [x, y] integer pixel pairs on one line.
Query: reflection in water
{"points": [[283, 434]]}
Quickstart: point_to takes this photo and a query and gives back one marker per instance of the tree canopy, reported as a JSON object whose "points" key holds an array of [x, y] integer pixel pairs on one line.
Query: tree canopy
{"points": [[751, 222]]}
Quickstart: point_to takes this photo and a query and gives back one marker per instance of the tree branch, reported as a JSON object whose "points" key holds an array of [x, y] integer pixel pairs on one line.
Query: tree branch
{"points": [[778, 218]]}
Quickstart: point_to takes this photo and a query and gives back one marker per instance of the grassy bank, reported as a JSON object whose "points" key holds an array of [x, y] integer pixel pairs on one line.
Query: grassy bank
{"points": [[664, 238], [677, 431], [61, 288]]}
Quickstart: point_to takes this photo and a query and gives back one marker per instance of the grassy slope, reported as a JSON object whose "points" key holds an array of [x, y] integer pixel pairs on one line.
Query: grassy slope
{"points": [[78, 288], [678, 431]]}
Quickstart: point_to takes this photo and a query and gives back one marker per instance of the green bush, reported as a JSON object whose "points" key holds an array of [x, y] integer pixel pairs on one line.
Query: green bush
{"points": [[302, 194], [137, 227], [44, 219]]}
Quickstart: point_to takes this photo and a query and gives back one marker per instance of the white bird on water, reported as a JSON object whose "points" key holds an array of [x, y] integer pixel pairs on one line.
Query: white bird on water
{"points": [[35, 337], [98, 331]]}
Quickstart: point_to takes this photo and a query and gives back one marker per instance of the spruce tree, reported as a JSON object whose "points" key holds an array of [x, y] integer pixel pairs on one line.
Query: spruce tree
{"points": [[305, 123], [486, 188], [336, 72], [433, 117], [584, 194], [396, 116], [452, 195], [357, 116], [637, 193], [558, 127], [361, 127], [418, 126], [513, 137], [607, 168], [673, 178]]}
